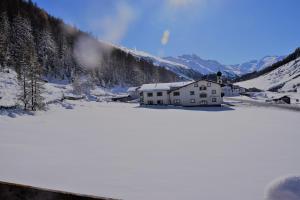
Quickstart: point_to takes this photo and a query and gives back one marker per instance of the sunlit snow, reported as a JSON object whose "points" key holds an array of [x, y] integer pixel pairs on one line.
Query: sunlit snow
{"points": [[128, 152]]}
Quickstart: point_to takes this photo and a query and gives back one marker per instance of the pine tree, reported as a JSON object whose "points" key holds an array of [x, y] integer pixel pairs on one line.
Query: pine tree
{"points": [[25, 61], [36, 85], [21, 42], [47, 51], [4, 39], [24, 83]]}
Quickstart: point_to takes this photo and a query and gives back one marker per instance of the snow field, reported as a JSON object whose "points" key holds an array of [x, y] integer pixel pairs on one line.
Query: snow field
{"points": [[124, 151]]}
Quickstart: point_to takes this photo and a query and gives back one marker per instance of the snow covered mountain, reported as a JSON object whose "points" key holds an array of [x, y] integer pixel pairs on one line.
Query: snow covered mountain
{"points": [[257, 65], [284, 78], [211, 66], [203, 66], [182, 70]]}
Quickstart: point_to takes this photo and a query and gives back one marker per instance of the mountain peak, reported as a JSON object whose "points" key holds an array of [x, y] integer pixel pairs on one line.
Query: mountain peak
{"points": [[207, 66]]}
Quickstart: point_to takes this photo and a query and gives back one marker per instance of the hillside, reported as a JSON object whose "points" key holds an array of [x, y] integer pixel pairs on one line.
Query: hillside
{"points": [[65, 53], [293, 56], [205, 67], [258, 65], [184, 71], [284, 78]]}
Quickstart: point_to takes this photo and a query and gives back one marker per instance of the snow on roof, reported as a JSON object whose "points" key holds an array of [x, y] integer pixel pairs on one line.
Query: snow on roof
{"points": [[163, 86], [132, 89]]}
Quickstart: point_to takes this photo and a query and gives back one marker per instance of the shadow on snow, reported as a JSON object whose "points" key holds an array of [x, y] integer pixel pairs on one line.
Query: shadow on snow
{"points": [[196, 108]]}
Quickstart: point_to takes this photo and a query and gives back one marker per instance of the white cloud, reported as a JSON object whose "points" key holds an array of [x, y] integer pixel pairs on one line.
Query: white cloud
{"points": [[165, 37], [285, 188], [114, 27]]}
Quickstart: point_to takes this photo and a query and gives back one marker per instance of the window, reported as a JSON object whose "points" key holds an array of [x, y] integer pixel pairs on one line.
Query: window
{"points": [[159, 94], [202, 87], [150, 102], [150, 94], [192, 92], [203, 102], [208, 84], [159, 102], [176, 101], [193, 101], [214, 100], [196, 85], [214, 92], [176, 94], [203, 95]]}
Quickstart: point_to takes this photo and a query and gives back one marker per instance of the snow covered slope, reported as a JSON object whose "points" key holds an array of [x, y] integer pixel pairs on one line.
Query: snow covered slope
{"points": [[203, 66], [9, 88], [285, 78], [179, 68], [257, 65], [211, 66], [52, 91]]}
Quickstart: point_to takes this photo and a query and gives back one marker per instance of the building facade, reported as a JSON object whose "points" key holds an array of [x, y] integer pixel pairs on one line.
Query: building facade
{"points": [[230, 90], [197, 93]]}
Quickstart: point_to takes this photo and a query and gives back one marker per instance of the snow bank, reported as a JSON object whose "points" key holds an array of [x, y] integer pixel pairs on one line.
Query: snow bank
{"points": [[284, 188]]}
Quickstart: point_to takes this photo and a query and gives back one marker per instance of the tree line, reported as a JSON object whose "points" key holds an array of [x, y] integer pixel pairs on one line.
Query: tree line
{"points": [[40, 47]]}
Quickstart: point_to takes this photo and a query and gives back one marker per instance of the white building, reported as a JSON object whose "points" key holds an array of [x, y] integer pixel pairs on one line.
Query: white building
{"points": [[193, 93], [230, 90]]}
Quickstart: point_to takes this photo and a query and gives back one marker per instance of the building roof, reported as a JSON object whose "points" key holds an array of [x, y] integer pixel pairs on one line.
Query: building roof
{"points": [[163, 86], [193, 83], [169, 86], [133, 89]]}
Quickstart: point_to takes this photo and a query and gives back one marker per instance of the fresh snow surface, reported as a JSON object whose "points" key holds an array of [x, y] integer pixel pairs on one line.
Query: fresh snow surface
{"points": [[162, 86], [129, 152], [287, 75]]}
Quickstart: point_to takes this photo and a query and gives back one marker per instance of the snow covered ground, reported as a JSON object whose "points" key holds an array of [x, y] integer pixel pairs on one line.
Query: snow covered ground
{"points": [[8, 88], [267, 95], [52, 91], [125, 151]]}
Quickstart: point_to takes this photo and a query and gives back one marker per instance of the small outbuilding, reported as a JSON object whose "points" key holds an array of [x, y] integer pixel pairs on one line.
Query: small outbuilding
{"points": [[281, 100], [230, 90], [134, 92]]}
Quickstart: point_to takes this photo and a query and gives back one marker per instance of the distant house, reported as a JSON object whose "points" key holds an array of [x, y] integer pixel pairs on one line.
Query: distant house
{"points": [[230, 90], [192, 93], [281, 100], [121, 98], [134, 92]]}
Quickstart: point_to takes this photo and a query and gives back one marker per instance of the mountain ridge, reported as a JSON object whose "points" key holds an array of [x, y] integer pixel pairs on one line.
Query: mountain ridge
{"points": [[208, 66]]}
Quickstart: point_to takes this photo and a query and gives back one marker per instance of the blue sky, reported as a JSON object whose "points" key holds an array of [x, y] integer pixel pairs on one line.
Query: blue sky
{"points": [[230, 31]]}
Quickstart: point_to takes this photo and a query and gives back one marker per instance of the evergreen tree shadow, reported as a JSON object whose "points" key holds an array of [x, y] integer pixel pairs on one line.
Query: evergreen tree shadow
{"points": [[14, 112]]}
